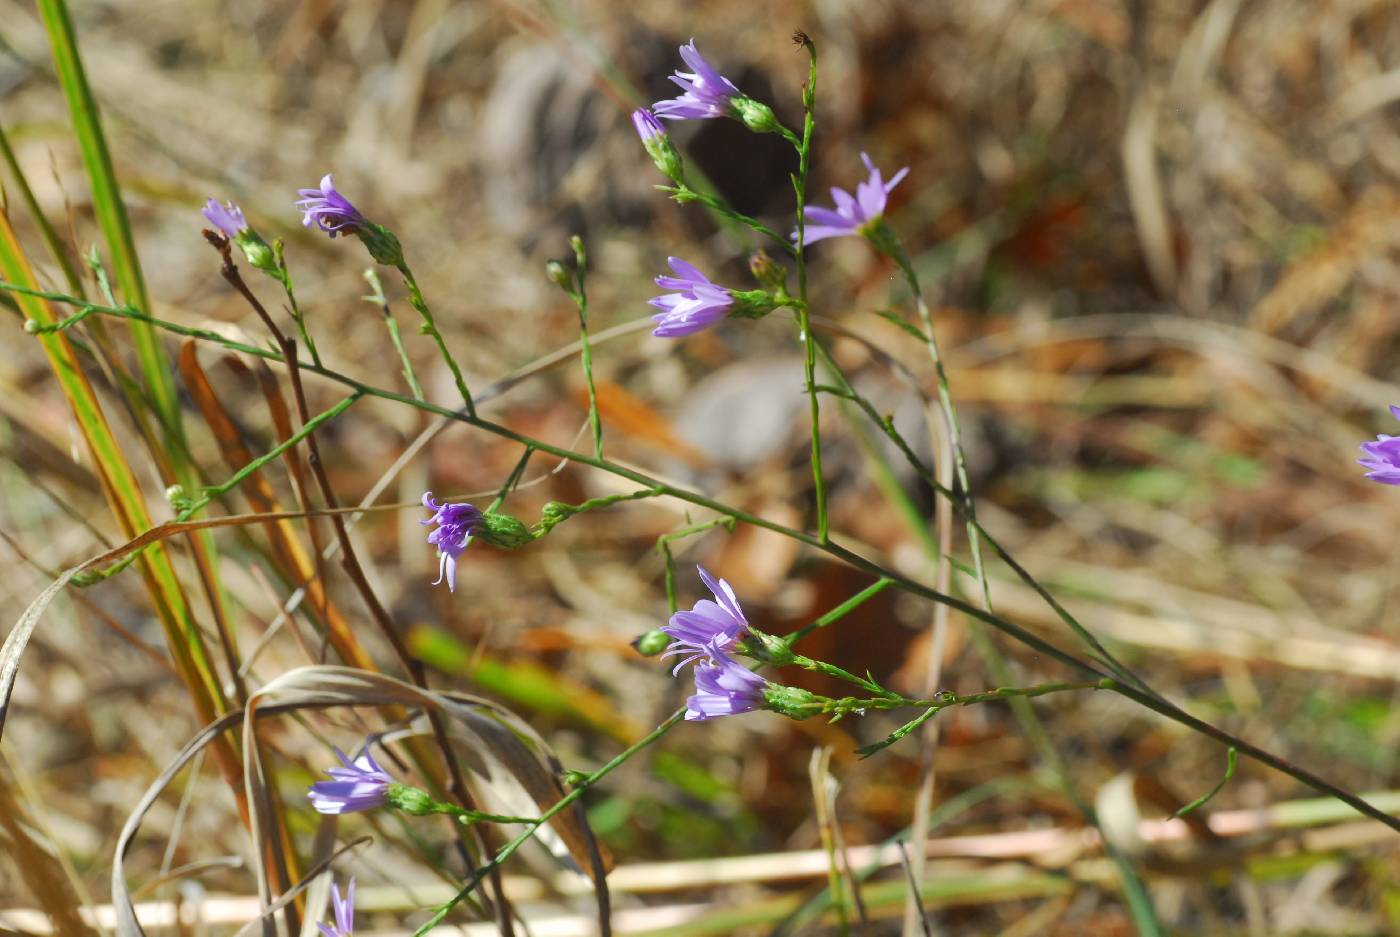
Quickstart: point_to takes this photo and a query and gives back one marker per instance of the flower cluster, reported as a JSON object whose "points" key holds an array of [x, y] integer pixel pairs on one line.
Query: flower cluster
{"points": [[703, 636]]}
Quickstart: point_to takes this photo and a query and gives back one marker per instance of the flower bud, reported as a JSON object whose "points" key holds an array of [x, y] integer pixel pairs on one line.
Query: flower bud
{"points": [[767, 648], [651, 643], [503, 530], [756, 115], [381, 243], [411, 800], [793, 702], [658, 144], [771, 275], [560, 274], [258, 251]]}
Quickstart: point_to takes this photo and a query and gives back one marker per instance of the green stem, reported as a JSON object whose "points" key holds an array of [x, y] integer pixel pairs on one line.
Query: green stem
{"points": [[378, 298], [804, 324], [840, 611], [580, 295], [284, 277], [429, 327], [663, 543], [682, 193]]}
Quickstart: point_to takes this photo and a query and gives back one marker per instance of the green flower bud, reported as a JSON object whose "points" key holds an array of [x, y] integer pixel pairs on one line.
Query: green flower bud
{"points": [[258, 251], [793, 702], [755, 115], [767, 648], [770, 274], [503, 530], [560, 274], [651, 643], [411, 800], [381, 243]]}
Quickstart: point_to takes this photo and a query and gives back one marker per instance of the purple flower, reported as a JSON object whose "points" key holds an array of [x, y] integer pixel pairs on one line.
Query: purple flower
{"points": [[853, 215], [227, 217], [647, 125], [697, 305], [709, 628], [707, 92], [724, 688], [359, 785], [344, 913], [1383, 456], [329, 210], [457, 523]]}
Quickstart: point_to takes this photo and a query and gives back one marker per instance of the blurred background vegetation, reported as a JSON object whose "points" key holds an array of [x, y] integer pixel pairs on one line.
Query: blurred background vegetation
{"points": [[1163, 244]]}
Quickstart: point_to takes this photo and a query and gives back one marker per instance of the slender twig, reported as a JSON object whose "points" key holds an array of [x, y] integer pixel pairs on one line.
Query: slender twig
{"points": [[391, 325], [804, 324]]}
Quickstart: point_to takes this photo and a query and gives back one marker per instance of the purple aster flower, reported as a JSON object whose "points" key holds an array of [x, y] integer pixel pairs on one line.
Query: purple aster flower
{"points": [[1383, 456], [456, 524], [724, 688], [344, 913], [227, 217], [697, 304], [359, 785], [330, 211], [707, 92], [709, 628], [853, 215]]}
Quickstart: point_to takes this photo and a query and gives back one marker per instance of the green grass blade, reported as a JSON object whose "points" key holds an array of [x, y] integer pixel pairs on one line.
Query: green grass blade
{"points": [[111, 214]]}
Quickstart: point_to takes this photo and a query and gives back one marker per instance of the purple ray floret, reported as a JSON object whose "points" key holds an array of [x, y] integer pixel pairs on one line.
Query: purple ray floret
{"points": [[227, 217], [852, 213], [1383, 456], [707, 92], [646, 123], [724, 687], [358, 785], [328, 210], [709, 627], [697, 304], [344, 913], [456, 524]]}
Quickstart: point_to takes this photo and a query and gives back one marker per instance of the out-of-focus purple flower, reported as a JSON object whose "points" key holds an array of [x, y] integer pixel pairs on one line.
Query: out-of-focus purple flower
{"points": [[707, 92], [227, 217], [359, 785], [456, 524], [344, 913], [697, 304], [724, 687], [328, 210], [1383, 456], [853, 214], [709, 627]]}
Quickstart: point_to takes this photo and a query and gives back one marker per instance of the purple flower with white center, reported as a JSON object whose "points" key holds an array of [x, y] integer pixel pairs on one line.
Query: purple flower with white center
{"points": [[344, 913], [358, 785], [697, 304], [330, 211], [724, 687], [456, 524], [707, 92], [852, 215], [709, 627], [227, 217], [1383, 456]]}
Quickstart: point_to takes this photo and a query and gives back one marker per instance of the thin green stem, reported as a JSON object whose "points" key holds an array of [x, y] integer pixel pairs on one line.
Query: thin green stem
{"points": [[1231, 755], [46, 230], [429, 327], [663, 543], [682, 193], [804, 324], [580, 296], [840, 611], [378, 298]]}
